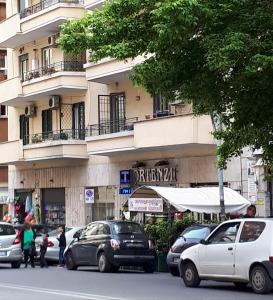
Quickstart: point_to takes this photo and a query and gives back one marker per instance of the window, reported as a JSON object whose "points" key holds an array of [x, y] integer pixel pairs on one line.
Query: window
{"points": [[160, 107], [78, 121], [103, 211], [251, 231], [23, 66], [6, 230], [127, 228], [225, 234], [103, 229], [92, 229], [24, 129], [47, 123], [46, 57], [196, 232], [3, 111]]}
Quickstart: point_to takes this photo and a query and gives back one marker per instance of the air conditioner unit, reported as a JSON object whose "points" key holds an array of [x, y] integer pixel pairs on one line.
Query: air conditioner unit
{"points": [[54, 102], [52, 40], [30, 111]]}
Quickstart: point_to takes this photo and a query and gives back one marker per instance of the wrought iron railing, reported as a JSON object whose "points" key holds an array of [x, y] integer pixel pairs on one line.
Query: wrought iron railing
{"points": [[111, 127], [64, 134], [63, 66], [43, 5]]}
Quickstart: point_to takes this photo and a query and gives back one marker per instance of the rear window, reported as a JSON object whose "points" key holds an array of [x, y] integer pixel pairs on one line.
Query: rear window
{"points": [[6, 230], [127, 228], [251, 231], [196, 232]]}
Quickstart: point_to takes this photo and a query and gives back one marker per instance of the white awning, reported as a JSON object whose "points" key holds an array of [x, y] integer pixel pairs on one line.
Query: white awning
{"points": [[201, 200]]}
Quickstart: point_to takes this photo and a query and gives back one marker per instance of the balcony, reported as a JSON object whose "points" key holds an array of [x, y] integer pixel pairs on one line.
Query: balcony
{"points": [[108, 70], [38, 21], [186, 134], [66, 77], [62, 144], [93, 4]]}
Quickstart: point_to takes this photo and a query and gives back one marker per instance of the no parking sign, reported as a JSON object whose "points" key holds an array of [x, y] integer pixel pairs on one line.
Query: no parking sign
{"points": [[89, 196]]}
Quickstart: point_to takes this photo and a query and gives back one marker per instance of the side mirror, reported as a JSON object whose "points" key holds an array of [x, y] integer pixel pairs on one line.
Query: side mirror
{"points": [[203, 242]]}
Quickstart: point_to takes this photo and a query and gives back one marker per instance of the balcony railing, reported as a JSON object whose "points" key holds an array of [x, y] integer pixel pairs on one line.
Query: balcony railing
{"points": [[59, 135], [43, 5], [63, 66], [111, 127]]}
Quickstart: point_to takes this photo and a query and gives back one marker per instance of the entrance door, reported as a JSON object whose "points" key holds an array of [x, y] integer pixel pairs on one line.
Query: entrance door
{"points": [[23, 66], [24, 129], [111, 113], [53, 206], [218, 256], [78, 121]]}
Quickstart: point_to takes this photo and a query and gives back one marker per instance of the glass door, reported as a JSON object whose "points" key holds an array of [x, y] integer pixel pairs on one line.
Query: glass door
{"points": [[47, 124], [24, 129], [78, 121]]}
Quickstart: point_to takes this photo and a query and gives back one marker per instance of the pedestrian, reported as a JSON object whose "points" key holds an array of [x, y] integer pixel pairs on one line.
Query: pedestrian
{"points": [[43, 249], [27, 237], [250, 212], [62, 245]]}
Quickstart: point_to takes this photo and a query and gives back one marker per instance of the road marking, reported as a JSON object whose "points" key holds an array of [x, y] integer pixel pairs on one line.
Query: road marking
{"points": [[59, 292]]}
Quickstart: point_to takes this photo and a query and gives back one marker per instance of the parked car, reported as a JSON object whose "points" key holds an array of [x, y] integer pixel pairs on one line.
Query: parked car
{"points": [[239, 251], [38, 228], [10, 246], [52, 254], [109, 245], [189, 237]]}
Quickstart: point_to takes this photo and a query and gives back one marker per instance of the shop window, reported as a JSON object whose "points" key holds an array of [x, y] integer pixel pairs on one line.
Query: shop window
{"points": [[103, 211], [251, 231]]}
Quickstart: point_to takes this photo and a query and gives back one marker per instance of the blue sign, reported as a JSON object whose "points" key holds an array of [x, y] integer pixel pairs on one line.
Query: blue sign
{"points": [[125, 191], [125, 177]]}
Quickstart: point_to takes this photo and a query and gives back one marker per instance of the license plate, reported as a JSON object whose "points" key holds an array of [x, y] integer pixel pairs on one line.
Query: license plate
{"points": [[3, 253], [176, 260], [134, 245]]}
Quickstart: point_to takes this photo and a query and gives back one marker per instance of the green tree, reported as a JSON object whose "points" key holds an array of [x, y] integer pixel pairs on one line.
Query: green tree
{"points": [[217, 54]]}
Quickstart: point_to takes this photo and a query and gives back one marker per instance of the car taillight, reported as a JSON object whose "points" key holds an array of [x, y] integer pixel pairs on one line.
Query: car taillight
{"points": [[114, 244], [173, 249], [50, 244], [16, 241], [271, 259]]}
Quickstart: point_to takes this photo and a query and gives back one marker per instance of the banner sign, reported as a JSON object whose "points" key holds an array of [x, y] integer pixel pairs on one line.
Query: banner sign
{"points": [[89, 195], [251, 176], [145, 204]]}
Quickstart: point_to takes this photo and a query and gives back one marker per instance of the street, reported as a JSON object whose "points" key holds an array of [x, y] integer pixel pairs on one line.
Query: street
{"points": [[87, 283]]}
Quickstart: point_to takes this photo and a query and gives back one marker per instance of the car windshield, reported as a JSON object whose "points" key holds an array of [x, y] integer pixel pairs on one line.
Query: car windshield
{"points": [[6, 230], [196, 232], [127, 228], [56, 231]]}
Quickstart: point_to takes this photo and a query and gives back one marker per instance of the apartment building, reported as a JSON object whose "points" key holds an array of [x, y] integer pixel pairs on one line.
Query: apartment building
{"points": [[3, 123], [82, 137]]}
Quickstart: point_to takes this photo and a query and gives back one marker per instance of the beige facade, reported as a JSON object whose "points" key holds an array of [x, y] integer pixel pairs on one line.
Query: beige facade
{"points": [[85, 122]]}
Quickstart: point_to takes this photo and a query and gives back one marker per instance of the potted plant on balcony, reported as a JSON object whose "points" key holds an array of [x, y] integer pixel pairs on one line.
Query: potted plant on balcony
{"points": [[36, 139]]}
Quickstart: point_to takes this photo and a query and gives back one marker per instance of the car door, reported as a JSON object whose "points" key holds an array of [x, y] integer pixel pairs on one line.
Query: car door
{"points": [[217, 256], [82, 249]]}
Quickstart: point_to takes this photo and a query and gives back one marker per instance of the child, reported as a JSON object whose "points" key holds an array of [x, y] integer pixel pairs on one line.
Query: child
{"points": [[43, 249]]}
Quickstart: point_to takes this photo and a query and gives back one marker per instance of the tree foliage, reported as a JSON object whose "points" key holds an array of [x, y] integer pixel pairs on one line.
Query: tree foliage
{"points": [[218, 54]]}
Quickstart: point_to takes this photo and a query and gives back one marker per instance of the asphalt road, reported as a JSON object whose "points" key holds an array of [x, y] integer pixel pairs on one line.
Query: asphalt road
{"points": [[87, 283]]}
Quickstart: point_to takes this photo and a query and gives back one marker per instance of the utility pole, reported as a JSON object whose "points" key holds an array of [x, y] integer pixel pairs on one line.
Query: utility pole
{"points": [[217, 125]]}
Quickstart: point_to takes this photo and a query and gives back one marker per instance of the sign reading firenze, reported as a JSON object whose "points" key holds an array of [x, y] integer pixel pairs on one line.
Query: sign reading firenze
{"points": [[151, 175]]}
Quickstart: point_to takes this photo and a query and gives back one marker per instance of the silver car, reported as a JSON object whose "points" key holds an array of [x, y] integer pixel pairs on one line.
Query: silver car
{"points": [[52, 253], [10, 246]]}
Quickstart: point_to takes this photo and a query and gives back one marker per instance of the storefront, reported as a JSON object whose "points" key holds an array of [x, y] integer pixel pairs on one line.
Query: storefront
{"points": [[3, 202], [23, 205], [53, 206]]}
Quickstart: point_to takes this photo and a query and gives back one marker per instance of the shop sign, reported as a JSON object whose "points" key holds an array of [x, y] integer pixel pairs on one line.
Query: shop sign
{"points": [[125, 191], [125, 182], [155, 175], [251, 176], [146, 205], [89, 196]]}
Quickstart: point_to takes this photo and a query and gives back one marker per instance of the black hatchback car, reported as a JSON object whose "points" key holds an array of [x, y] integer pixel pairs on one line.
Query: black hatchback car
{"points": [[109, 245], [189, 237]]}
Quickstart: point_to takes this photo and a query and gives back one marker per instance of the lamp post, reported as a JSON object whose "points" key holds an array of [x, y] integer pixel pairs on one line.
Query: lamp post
{"points": [[217, 125]]}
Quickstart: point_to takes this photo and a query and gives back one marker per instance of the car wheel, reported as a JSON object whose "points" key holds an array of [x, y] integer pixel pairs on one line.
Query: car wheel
{"points": [[260, 280], [149, 268], [240, 285], [70, 265], [104, 264], [16, 264], [190, 275], [174, 271]]}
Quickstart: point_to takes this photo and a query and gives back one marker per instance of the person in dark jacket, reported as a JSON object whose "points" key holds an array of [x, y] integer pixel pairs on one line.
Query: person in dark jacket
{"points": [[27, 237], [43, 249], [62, 244]]}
